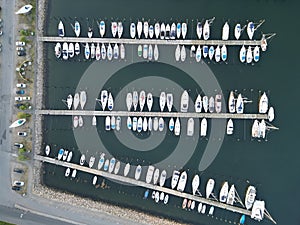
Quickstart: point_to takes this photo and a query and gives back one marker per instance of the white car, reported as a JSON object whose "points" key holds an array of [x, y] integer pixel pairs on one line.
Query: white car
{"points": [[20, 43], [20, 48], [18, 98], [26, 98], [22, 134], [18, 183], [21, 85]]}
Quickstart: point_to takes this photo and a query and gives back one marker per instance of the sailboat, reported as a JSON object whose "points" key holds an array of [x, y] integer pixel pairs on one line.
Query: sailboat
{"points": [[177, 127], [199, 29], [256, 54], [135, 100], [184, 30], [262, 129], [255, 129], [205, 103], [175, 178], [61, 29], [182, 181], [169, 101], [184, 101], [243, 54], [146, 29], [139, 29], [206, 30], [190, 127], [156, 30], [114, 28], [225, 32], [103, 98], [138, 172], [250, 197], [77, 48], [177, 53], [102, 28], [57, 50], [162, 100], [77, 28], [224, 192], [231, 195], [142, 99], [132, 30], [209, 187], [237, 31], [149, 101], [69, 101], [171, 124], [129, 101], [182, 53], [195, 184], [211, 52], [110, 102], [162, 178], [203, 127], [224, 53], [250, 30], [229, 127], [120, 29], [198, 104], [178, 30], [83, 99], [240, 104]]}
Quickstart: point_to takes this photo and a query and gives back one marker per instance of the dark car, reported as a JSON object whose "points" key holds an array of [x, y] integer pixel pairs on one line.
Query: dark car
{"points": [[16, 188], [18, 170], [19, 105], [21, 53], [20, 92]]}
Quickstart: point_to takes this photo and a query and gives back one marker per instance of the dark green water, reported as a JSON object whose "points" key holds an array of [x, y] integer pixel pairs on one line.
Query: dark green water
{"points": [[272, 165]]}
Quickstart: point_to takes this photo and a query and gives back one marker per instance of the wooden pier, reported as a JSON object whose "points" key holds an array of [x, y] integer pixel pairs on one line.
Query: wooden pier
{"points": [[132, 181], [151, 114]]}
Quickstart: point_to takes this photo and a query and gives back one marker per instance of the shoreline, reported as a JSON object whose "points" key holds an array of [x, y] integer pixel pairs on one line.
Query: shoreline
{"points": [[49, 193]]}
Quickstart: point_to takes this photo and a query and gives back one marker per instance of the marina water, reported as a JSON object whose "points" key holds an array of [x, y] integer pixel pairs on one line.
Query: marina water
{"points": [[271, 165]]}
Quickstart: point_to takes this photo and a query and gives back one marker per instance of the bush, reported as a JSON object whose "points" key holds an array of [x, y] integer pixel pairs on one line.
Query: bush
{"points": [[22, 115]]}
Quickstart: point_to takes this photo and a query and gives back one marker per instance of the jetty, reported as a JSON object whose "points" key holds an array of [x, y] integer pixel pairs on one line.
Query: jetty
{"points": [[132, 181]]}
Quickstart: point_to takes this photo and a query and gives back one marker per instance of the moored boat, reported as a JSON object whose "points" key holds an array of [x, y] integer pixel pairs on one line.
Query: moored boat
{"points": [[138, 172], [224, 52], [98, 52], [68, 171], [149, 101], [271, 114], [183, 30], [237, 31], [69, 101], [102, 28], [177, 127], [155, 124], [145, 51], [205, 51], [190, 127], [199, 29], [250, 197], [211, 107], [129, 123], [231, 102], [139, 28], [218, 54], [129, 101], [151, 31], [69, 157], [169, 101], [132, 30], [162, 100], [177, 53], [250, 30], [156, 53], [229, 127], [255, 129], [162, 31], [249, 55], [224, 192], [126, 169], [173, 31], [82, 160], [146, 29], [134, 123], [117, 167], [225, 32], [209, 187], [206, 30], [116, 51], [139, 124], [83, 99], [112, 163], [178, 30], [93, 51], [103, 99], [149, 174], [211, 52], [101, 161], [205, 103], [263, 103], [135, 100], [168, 29], [77, 48], [157, 30], [107, 123], [95, 178], [142, 99], [109, 52], [258, 210], [92, 161], [184, 104], [120, 29], [77, 28], [106, 165], [150, 124], [110, 102], [262, 129], [175, 178], [243, 54], [231, 195], [87, 51], [155, 176], [74, 172], [114, 28], [195, 184], [256, 54], [103, 51], [198, 104], [240, 104], [182, 53], [218, 103], [171, 124], [150, 53], [122, 51], [75, 121], [113, 122], [203, 127], [65, 51], [145, 124], [61, 29], [47, 150], [57, 50], [118, 123], [161, 124], [198, 54], [162, 178]]}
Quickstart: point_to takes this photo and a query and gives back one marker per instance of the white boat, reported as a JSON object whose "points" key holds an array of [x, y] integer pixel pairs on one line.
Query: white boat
{"points": [[198, 54], [155, 176], [205, 51], [175, 178], [110, 102], [139, 28], [142, 99], [203, 209], [184, 101], [122, 51], [192, 51], [169, 101], [162, 178], [145, 51], [171, 124], [90, 32], [243, 54], [231, 195], [199, 207], [255, 129], [94, 182], [195, 184], [102, 28], [150, 124], [98, 52], [82, 160], [250, 197], [109, 52], [116, 51], [151, 31], [249, 55], [76, 101], [25, 9], [224, 192], [182, 53], [92, 161], [190, 127], [145, 124], [106, 165], [129, 101], [203, 127], [107, 123], [118, 123], [211, 107], [153, 195], [68, 171], [140, 124], [263, 103], [173, 31], [111, 165], [69, 157], [177, 127], [155, 124], [77, 28], [229, 127], [126, 169], [258, 210], [162, 100], [69, 101], [47, 150], [150, 53], [61, 29], [134, 123], [209, 187], [57, 50], [211, 52], [206, 30], [250, 30], [225, 32], [18, 123], [114, 28], [93, 51], [256, 54], [198, 104], [132, 30], [156, 53], [80, 121], [74, 172], [237, 31], [184, 203], [231, 102], [211, 210], [117, 167], [218, 54], [129, 123], [146, 29], [168, 29], [205, 103], [218, 103], [193, 205], [149, 174], [77, 48], [166, 199], [149, 101], [101, 161], [183, 30], [103, 51], [182, 181], [140, 50], [271, 114], [83, 99], [113, 122], [178, 30], [262, 129], [65, 51], [120, 29], [240, 104], [177, 53], [135, 100], [199, 30], [156, 30], [87, 51], [103, 99], [162, 31], [161, 124], [138, 172], [75, 121], [224, 53], [157, 197]]}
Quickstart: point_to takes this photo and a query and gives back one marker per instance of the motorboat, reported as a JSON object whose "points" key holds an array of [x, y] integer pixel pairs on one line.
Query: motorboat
{"points": [[70, 155], [206, 30], [195, 184], [255, 129], [47, 150], [138, 172], [145, 124], [117, 167], [162, 31], [101, 161], [139, 28], [166, 199], [263, 44], [177, 53], [205, 103], [80, 121], [199, 207], [150, 53], [203, 127], [157, 197], [250, 29], [169, 101], [155, 124], [98, 52], [175, 178], [120, 29], [161, 124], [24, 9], [229, 127], [218, 103], [114, 28], [178, 30], [102, 28], [146, 194], [116, 51], [237, 31], [140, 124], [129, 101], [129, 123], [140, 50], [211, 210], [240, 104], [69, 101], [92, 161], [132, 30], [83, 99], [224, 53], [18, 123], [211, 107], [156, 30], [75, 121], [183, 30], [225, 32], [87, 51], [198, 104], [189, 204], [107, 123], [156, 53], [262, 129], [258, 210], [146, 29], [231, 102], [173, 31], [90, 32], [182, 53], [65, 51], [249, 55], [150, 124], [134, 123], [109, 52], [209, 187], [184, 203], [149, 174], [205, 51], [142, 99], [153, 195], [218, 54], [198, 54], [126, 169], [224, 192], [135, 100], [203, 209], [57, 50], [74, 172], [122, 51], [171, 124], [162, 100], [177, 127], [106, 165], [199, 30], [168, 29], [149, 101], [61, 29], [162, 178], [110, 102], [151, 31], [256, 54], [145, 51], [231, 195], [243, 54], [113, 122], [190, 127], [95, 178], [112, 163], [192, 51], [271, 114], [211, 52], [93, 51], [77, 28], [68, 171], [118, 123], [77, 48], [184, 101], [250, 197], [103, 99], [156, 177], [263, 103], [82, 160], [103, 51]]}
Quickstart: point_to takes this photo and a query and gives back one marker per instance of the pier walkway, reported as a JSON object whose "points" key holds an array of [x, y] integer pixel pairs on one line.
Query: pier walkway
{"points": [[132, 181], [151, 41], [151, 114]]}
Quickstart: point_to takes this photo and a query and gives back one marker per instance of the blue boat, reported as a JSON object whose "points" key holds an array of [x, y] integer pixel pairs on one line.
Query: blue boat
{"points": [[146, 194], [60, 153], [242, 219]]}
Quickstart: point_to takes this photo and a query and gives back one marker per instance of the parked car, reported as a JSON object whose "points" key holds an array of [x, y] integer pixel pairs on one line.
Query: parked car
{"points": [[26, 98], [21, 53], [21, 85], [18, 98], [15, 188], [20, 43], [18, 105], [18, 145], [20, 49], [18, 170], [22, 134], [20, 92], [18, 183]]}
